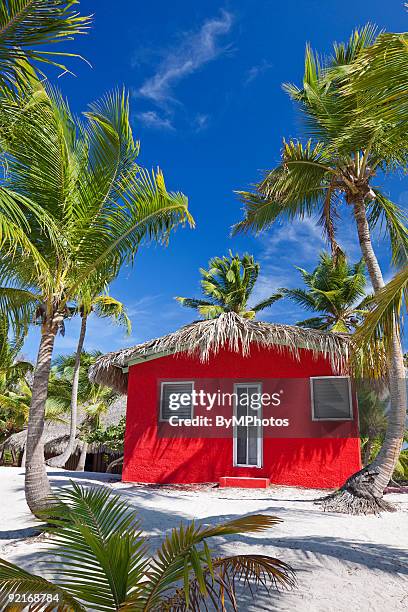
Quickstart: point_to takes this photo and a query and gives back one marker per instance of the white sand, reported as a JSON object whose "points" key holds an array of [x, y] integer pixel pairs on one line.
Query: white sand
{"points": [[343, 562]]}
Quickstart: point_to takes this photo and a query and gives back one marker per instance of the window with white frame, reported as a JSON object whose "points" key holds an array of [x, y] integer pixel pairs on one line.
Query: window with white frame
{"points": [[176, 400], [331, 398]]}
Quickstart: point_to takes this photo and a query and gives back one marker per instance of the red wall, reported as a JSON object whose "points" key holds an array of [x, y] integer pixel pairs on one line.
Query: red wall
{"points": [[309, 461]]}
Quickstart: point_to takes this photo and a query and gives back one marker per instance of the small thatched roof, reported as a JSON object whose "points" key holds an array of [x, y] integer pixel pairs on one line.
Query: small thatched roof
{"points": [[205, 338], [52, 431], [56, 435]]}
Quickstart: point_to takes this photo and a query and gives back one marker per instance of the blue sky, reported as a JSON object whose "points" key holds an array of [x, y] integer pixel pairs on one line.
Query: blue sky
{"points": [[207, 105]]}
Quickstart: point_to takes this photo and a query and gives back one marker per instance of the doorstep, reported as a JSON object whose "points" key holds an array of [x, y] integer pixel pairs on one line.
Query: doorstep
{"points": [[244, 482]]}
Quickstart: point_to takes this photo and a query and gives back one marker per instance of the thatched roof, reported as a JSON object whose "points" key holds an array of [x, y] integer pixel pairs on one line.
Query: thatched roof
{"points": [[205, 338], [56, 435]]}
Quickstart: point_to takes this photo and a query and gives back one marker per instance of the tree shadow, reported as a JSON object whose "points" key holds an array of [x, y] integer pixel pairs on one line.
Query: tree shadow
{"points": [[15, 534]]}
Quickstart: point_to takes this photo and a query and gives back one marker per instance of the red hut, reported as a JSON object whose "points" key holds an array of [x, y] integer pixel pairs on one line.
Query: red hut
{"points": [[181, 429]]}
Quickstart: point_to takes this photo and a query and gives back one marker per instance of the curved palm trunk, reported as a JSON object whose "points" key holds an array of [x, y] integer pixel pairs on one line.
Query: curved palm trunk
{"points": [[37, 486], [61, 460], [82, 458], [363, 491], [114, 463]]}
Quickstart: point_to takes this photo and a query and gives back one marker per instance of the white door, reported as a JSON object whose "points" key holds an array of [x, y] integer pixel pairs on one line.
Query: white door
{"points": [[247, 438]]}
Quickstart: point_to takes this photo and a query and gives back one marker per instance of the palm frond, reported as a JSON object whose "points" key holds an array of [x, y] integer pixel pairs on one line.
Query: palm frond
{"points": [[19, 306], [28, 25], [267, 302], [382, 89], [393, 223], [293, 189], [193, 303], [222, 577], [107, 306], [99, 547], [148, 213], [179, 555], [301, 297], [386, 315], [315, 323], [16, 581]]}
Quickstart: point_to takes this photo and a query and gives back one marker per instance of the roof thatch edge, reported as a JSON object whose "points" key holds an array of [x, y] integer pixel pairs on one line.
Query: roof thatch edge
{"points": [[205, 338]]}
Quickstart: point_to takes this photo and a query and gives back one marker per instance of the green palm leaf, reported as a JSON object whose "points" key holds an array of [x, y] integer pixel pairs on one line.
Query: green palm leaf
{"points": [[268, 302], [16, 581], [386, 315], [179, 554], [99, 562], [107, 306], [220, 577], [393, 223], [334, 291], [228, 284], [293, 189], [28, 25], [99, 545]]}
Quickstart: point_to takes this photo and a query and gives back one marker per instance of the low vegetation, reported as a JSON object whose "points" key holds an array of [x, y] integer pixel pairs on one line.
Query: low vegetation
{"points": [[99, 561]]}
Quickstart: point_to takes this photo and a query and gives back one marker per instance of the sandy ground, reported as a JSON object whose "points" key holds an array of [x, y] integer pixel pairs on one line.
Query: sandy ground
{"points": [[342, 562]]}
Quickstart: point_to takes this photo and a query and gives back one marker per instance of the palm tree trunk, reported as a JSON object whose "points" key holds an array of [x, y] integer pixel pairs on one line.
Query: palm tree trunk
{"points": [[23, 458], [114, 463], [82, 457], [367, 451], [363, 491], [37, 486], [61, 460]]}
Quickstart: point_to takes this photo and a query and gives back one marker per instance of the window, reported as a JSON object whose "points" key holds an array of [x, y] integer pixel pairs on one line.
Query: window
{"points": [[331, 398], [247, 449], [174, 401]]}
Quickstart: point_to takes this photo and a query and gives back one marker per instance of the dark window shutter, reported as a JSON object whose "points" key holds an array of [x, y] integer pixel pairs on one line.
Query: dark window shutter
{"points": [[168, 389], [331, 398]]}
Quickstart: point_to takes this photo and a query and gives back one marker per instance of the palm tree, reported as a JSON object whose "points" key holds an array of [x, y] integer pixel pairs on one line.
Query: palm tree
{"points": [[229, 283], [99, 561], [85, 175], [337, 168], [104, 306], [335, 289], [27, 25], [92, 398]]}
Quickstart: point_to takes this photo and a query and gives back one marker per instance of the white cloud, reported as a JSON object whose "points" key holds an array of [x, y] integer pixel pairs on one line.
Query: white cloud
{"points": [[154, 120], [201, 122], [300, 237], [195, 50], [255, 71]]}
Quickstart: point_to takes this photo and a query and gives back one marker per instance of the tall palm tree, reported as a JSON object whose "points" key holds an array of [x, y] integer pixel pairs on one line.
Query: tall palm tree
{"points": [[85, 175], [104, 306], [335, 168], [90, 397], [27, 25], [335, 292], [228, 284], [99, 561]]}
